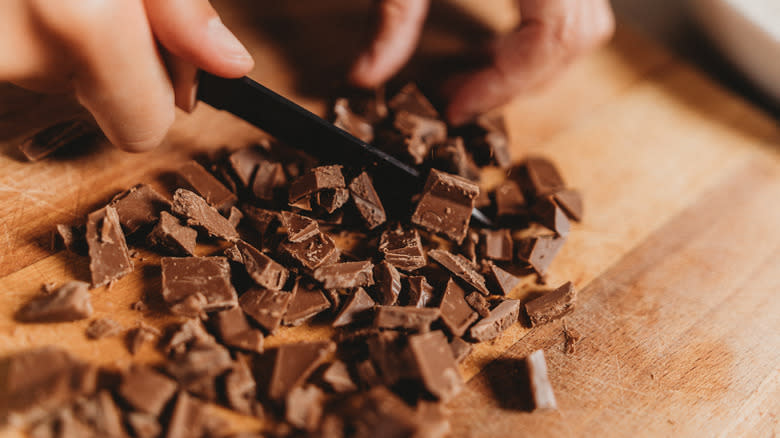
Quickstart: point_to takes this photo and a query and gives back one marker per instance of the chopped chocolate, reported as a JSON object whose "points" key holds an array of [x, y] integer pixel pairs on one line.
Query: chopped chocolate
{"points": [[139, 206], [345, 275], [200, 214], [205, 277], [187, 418], [240, 387], [541, 389], [263, 269], [146, 390], [140, 335], [501, 317], [199, 365], [446, 205], [420, 133], [478, 302], [264, 221], [403, 248], [370, 105], [312, 253], [355, 308], [551, 216], [268, 177], [299, 228], [244, 163], [420, 292], [266, 307], [234, 330], [571, 202], [143, 425], [381, 413], [103, 328], [571, 338], [235, 216], [412, 100], [108, 255], [490, 141], [306, 302], [539, 251], [388, 283], [69, 302], [456, 313], [367, 201], [73, 239], [436, 365], [101, 413], [460, 349], [461, 268], [496, 245], [186, 335], [304, 407], [510, 201], [294, 363], [452, 157], [552, 305], [332, 199], [405, 317], [367, 374], [538, 177], [500, 281], [318, 178], [386, 350], [70, 132], [337, 376], [172, 236], [351, 122], [193, 176], [469, 247]]}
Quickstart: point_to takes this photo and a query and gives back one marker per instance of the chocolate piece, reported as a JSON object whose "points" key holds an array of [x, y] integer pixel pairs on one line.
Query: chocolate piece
{"points": [[386, 350], [412, 100], [571, 338], [73, 239], [367, 374], [541, 389], [539, 251], [318, 178], [490, 141], [264, 221], [187, 417], [446, 205], [197, 368], [200, 214], [403, 249], [304, 407], [266, 307], [356, 307], [299, 228], [370, 105], [460, 349], [436, 365], [461, 268], [108, 255], [140, 335], [552, 305], [478, 302], [234, 330], [101, 413], [469, 247], [420, 292], [294, 363], [143, 425], [268, 177], [351, 122], [146, 390], [206, 277], [306, 302], [367, 201], [103, 328], [420, 134], [388, 283], [551, 216], [510, 201], [69, 302], [186, 335], [263, 269], [452, 157], [571, 203], [193, 176], [345, 275], [71, 132], [337, 376], [331, 199], [139, 206], [503, 316], [405, 317], [312, 253], [171, 235], [244, 163], [235, 216], [538, 177], [500, 281], [380, 413], [240, 387], [456, 313], [496, 245]]}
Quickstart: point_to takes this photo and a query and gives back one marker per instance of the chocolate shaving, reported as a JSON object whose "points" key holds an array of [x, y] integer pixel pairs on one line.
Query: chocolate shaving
{"points": [[206, 278], [446, 205], [541, 389], [552, 305], [355, 308], [108, 255], [200, 214], [366, 201], [461, 268], [69, 302], [294, 363], [456, 313], [194, 177], [503, 316], [403, 248], [388, 283], [103, 328], [172, 236], [345, 275]]}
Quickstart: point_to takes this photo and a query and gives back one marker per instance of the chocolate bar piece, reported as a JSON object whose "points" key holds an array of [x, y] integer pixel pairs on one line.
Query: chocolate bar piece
{"points": [[69, 302], [552, 305], [381, 413], [405, 317], [538, 177], [446, 205], [263, 269], [388, 283], [461, 268], [500, 281], [146, 390], [307, 301], [312, 253], [200, 214], [72, 239], [420, 292], [318, 178], [488, 138], [206, 278], [503, 316], [436, 365], [187, 418], [139, 206], [45, 142], [355, 308], [345, 275], [420, 134], [197, 367], [294, 363], [108, 255], [331, 199], [241, 388], [496, 245], [193, 176], [460, 349], [235, 217], [234, 330], [539, 251], [551, 216], [268, 177], [478, 302], [102, 328], [174, 237], [244, 163], [541, 389], [143, 425], [410, 99], [140, 335], [403, 248], [456, 313], [571, 202], [299, 228], [510, 201], [337, 376], [451, 156], [187, 335], [304, 407], [266, 307], [262, 220], [351, 122], [367, 201]]}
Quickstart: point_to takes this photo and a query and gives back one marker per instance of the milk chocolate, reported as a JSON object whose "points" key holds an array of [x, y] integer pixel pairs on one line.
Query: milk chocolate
{"points": [[461, 268], [539, 251], [241, 388], [367, 374], [331, 199], [263, 269], [266, 307], [146, 390], [403, 248], [139, 206], [262, 220], [186, 335], [499, 281], [72, 238], [197, 368], [68, 133], [69, 302], [299, 228], [102, 328], [551, 216], [410, 99], [552, 305], [194, 177], [501, 317], [510, 202], [345, 119], [356, 308], [235, 216], [405, 317], [456, 313], [420, 293], [388, 283], [200, 214], [446, 205], [420, 134], [143, 425], [206, 277], [386, 350], [234, 330], [312, 253], [435, 365], [489, 140], [244, 163], [478, 302], [571, 202], [304, 405], [337, 376], [101, 414], [138, 336], [187, 418], [307, 301], [268, 177], [369, 104], [345, 275], [381, 413], [460, 349], [496, 245], [541, 389], [538, 177], [109, 259], [451, 156], [366, 201], [172, 236], [294, 363], [318, 178]]}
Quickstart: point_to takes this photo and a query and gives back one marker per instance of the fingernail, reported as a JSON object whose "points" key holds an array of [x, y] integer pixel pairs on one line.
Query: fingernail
{"points": [[230, 46]]}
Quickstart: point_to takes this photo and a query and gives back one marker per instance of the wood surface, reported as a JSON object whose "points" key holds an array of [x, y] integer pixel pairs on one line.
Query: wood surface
{"points": [[677, 260]]}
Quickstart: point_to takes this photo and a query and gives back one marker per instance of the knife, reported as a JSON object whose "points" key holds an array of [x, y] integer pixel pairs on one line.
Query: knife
{"points": [[302, 129]]}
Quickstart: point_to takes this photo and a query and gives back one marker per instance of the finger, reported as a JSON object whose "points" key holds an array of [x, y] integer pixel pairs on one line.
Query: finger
{"points": [[192, 31], [184, 77], [550, 35], [400, 24]]}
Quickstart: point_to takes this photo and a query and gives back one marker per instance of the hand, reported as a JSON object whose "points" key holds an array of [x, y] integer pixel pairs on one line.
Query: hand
{"points": [[106, 51], [550, 35]]}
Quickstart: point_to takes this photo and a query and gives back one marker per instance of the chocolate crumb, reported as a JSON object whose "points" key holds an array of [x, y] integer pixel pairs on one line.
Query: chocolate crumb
{"points": [[571, 338]]}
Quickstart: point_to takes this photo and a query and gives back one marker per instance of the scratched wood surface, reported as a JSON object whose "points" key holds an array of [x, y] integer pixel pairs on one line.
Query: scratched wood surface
{"points": [[677, 261]]}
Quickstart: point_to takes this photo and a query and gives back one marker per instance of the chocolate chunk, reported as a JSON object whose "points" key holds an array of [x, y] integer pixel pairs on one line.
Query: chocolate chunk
{"points": [[461, 268], [69, 302], [138, 336], [539, 251], [234, 330], [478, 302], [412, 100], [146, 390], [205, 277], [496, 245], [403, 248], [331, 199], [405, 317], [71, 132], [420, 134], [172, 236], [551, 216], [380, 413], [101, 413], [367, 374], [103, 328], [143, 425], [318, 178], [370, 105], [235, 216], [194, 177], [541, 389], [446, 205], [108, 255], [420, 292], [456, 313], [345, 275], [388, 283], [299, 228], [187, 335], [351, 122], [500, 281], [355, 308], [306, 302], [262, 220], [337, 376], [304, 407], [510, 201], [503, 316], [73, 239], [268, 177], [436, 365], [294, 363], [312, 253], [244, 163], [139, 206], [386, 350], [367, 201], [199, 366], [200, 214], [452, 157], [552, 305], [571, 337], [460, 349], [187, 418], [267, 307], [240, 387], [538, 177], [488, 138], [571, 203], [263, 269]]}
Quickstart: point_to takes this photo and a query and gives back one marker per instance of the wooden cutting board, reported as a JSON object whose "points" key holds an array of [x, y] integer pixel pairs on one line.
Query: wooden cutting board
{"points": [[677, 260]]}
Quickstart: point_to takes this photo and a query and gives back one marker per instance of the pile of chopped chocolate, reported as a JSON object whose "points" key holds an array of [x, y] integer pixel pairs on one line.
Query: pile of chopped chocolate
{"points": [[299, 243]]}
